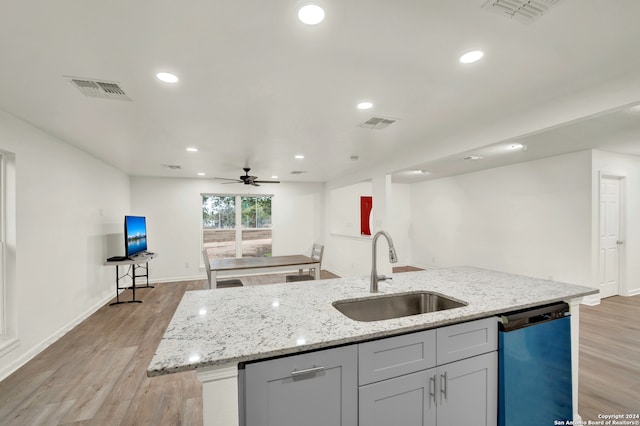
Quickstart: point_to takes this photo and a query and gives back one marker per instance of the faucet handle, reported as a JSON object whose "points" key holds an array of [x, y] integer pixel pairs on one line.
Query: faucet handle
{"points": [[384, 278]]}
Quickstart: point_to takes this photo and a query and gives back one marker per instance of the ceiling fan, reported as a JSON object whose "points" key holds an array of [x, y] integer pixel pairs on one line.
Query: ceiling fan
{"points": [[248, 180]]}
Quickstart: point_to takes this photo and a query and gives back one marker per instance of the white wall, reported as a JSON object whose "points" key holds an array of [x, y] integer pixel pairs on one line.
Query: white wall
{"points": [[531, 218], [349, 254], [399, 222], [345, 211], [629, 167], [173, 208], [69, 206]]}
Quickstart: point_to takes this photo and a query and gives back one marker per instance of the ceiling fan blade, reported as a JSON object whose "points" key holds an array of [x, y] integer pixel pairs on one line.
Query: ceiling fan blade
{"points": [[267, 181], [248, 180], [234, 180]]}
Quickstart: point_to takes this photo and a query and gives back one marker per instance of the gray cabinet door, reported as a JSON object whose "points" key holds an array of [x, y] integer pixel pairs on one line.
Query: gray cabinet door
{"points": [[468, 392], [312, 389], [408, 400]]}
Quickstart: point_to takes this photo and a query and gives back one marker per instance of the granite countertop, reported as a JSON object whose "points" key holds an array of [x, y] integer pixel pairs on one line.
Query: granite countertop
{"points": [[227, 326]]}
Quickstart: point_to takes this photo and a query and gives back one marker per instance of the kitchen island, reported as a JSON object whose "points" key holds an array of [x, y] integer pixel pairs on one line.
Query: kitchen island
{"points": [[215, 330]]}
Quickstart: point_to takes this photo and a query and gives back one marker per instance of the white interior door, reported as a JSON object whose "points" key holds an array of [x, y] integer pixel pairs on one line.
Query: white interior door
{"points": [[610, 240]]}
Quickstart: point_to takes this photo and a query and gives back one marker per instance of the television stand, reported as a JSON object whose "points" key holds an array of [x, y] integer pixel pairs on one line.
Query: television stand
{"points": [[134, 263]]}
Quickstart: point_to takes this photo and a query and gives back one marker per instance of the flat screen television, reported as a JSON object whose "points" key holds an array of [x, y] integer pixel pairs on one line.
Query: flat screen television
{"points": [[135, 235]]}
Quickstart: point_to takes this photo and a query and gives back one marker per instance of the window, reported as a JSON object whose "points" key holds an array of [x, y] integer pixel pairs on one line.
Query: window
{"points": [[236, 225]]}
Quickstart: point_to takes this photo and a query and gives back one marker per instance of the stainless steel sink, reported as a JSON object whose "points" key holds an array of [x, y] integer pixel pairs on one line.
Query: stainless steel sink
{"points": [[396, 305]]}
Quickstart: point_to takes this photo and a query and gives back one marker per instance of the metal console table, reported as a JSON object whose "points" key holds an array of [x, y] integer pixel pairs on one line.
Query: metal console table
{"points": [[134, 264]]}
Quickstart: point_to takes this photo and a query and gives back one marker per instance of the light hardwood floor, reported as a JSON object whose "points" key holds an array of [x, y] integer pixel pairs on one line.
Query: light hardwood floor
{"points": [[610, 358], [95, 374]]}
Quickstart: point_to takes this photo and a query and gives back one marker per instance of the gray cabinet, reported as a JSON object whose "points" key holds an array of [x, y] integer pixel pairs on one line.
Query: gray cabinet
{"points": [[395, 356], [444, 377], [468, 391], [459, 341], [312, 389], [408, 400]]}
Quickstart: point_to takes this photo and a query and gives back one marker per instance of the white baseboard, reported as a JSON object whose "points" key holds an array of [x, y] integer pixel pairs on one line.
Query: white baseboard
{"points": [[335, 272], [634, 292], [425, 266], [174, 279], [31, 353]]}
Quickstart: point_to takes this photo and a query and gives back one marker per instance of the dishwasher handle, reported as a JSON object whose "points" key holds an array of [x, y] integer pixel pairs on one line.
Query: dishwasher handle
{"points": [[528, 317]]}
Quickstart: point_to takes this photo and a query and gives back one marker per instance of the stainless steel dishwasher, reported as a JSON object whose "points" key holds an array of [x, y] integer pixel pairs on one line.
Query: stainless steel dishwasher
{"points": [[534, 359]]}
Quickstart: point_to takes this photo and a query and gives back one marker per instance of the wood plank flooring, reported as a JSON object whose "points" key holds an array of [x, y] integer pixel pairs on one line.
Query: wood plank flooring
{"points": [[610, 358], [95, 374]]}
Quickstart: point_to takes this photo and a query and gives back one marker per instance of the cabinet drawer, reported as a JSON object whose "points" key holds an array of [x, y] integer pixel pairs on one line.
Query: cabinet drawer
{"points": [[468, 339], [312, 389], [395, 356]]}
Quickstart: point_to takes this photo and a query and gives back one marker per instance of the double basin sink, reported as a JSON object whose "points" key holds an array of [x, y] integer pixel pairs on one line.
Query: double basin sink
{"points": [[396, 305]]}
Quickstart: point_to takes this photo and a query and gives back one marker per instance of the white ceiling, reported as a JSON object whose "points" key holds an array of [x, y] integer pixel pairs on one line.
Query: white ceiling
{"points": [[257, 86]]}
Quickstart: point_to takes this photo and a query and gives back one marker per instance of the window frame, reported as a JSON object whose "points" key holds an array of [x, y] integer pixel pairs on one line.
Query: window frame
{"points": [[238, 228]]}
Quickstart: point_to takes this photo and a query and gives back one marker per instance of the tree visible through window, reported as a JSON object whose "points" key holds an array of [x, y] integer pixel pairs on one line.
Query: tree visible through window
{"points": [[236, 225]]}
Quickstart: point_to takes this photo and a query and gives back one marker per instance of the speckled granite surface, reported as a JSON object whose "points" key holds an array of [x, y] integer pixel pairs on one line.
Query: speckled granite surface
{"points": [[222, 326]]}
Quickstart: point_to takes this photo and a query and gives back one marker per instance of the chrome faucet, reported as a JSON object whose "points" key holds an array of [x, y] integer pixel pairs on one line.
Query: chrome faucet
{"points": [[393, 258]]}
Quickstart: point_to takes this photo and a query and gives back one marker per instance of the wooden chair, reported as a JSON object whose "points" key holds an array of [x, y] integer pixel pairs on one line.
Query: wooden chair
{"points": [[223, 283], [316, 254]]}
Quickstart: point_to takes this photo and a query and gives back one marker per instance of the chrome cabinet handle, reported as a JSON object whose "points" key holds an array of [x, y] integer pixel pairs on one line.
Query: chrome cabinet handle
{"points": [[619, 242], [311, 370], [443, 386], [432, 385]]}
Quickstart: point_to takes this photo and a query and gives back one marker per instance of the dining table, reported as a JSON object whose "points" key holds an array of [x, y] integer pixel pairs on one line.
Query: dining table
{"points": [[247, 263]]}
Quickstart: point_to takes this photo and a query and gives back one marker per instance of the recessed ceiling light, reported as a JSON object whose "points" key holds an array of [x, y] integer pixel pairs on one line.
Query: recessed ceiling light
{"points": [[192, 149], [311, 14], [201, 174], [365, 105], [274, 177], [167, 77], [472, 56], [516, 146], [299, 157]]}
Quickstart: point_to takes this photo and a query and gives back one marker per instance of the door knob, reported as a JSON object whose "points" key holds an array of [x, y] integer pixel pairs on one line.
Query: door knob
{"points": [[619, 242]]}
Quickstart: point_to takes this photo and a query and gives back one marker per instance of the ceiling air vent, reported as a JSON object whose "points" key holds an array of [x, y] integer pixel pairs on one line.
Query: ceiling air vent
{"points": [[525, 11], [377, 123], [100, 89], [171, 166], [298, 172]]}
